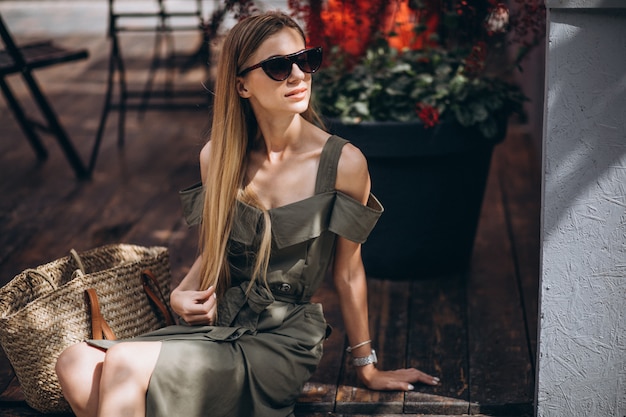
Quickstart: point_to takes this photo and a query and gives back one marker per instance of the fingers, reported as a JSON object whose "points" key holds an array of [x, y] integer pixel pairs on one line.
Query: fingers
{"points": [[402, 380], [199, 306], [210, 301], [401, 386], [206, 295], [212, 312], [428, 379], [415, 375], [202, 302], [422, 377], [199, 320]]}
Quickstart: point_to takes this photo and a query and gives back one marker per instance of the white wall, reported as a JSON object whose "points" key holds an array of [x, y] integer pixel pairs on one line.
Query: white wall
{"points": [[582, 336]]}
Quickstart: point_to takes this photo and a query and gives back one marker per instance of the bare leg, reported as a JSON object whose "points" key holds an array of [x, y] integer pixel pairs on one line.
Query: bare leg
{"points": [[126, 373], [79, 368], [111, 383]]}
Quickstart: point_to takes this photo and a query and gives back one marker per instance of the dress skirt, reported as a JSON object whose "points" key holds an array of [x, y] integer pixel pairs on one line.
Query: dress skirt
{"points": [[211, 371]]}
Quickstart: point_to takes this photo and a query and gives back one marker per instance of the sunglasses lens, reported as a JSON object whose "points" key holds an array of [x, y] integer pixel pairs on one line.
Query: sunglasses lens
{"points": [[277, 68], [310, 60]]}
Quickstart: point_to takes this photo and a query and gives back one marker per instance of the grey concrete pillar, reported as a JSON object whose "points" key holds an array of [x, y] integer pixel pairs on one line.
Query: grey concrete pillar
{"points": [[582, 336]]}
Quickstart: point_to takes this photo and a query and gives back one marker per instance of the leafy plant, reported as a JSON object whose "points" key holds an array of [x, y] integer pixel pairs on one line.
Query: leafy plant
{"points": [[441, 70], [426, 84]]}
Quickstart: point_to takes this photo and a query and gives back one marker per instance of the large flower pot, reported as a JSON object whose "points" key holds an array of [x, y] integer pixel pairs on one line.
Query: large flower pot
{"points": [[431, 183]]}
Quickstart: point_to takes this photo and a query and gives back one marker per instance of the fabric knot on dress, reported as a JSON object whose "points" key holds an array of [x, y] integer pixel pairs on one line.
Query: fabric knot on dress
{"points": [[241, 307]]}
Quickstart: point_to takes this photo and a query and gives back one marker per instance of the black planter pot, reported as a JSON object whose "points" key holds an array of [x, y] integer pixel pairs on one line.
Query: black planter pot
{"points": [[431, 183]]}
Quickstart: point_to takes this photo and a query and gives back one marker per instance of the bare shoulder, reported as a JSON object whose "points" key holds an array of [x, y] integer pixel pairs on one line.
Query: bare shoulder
{"points": [[352, 174], [205, 154]]}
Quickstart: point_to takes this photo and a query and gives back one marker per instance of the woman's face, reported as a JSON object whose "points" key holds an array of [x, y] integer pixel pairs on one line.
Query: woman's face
{"points": [[270, 98]]}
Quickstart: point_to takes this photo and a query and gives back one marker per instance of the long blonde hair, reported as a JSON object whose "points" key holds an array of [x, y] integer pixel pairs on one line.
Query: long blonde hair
{"points": [[234, 132]]}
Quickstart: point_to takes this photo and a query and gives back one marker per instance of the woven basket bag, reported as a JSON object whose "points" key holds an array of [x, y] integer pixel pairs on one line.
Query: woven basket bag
{"points": [[43, 311]]}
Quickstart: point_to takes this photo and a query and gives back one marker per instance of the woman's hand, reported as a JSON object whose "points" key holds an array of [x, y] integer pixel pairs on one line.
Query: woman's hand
{"points": [[195, 307], [398, 380]]}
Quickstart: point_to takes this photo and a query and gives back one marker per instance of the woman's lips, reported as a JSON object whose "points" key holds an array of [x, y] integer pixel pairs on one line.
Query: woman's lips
{"points": [[298, 93]]}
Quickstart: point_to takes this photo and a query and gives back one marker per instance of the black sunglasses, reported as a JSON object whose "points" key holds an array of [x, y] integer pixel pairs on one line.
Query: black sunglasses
{"points": [[278, 68]]}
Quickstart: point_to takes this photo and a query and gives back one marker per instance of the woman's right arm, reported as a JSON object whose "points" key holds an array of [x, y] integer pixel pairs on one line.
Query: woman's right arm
{"points": [[195, 307]]}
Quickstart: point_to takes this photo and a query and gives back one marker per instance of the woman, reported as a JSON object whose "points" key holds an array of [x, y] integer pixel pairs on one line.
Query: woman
{"points": [[280, 199]]}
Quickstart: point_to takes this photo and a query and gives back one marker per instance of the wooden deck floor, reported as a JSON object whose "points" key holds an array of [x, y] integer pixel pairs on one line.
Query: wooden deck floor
{"points": [[476, 330]]}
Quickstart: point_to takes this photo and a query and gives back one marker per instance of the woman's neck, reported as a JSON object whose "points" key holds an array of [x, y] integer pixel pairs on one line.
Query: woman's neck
{"points": [[281, 137]]}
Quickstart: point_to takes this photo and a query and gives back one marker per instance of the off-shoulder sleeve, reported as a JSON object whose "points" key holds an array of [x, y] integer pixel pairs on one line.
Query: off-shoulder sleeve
{"points": [[353, 220], [192, 199]]}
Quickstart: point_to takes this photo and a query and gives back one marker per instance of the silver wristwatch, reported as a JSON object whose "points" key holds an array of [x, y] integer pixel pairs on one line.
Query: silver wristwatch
{"points": [[366, 360]]}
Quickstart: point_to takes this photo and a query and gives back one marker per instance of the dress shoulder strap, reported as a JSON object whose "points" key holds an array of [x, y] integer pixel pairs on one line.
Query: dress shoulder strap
{"points": [[329, 159]]}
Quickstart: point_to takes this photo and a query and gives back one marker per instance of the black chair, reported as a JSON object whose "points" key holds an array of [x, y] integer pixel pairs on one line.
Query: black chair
{"points": [[24, 60], [163, 23]]}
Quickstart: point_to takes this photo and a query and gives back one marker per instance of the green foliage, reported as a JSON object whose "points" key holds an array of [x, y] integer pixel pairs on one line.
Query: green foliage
{"points": [[387, 85]]}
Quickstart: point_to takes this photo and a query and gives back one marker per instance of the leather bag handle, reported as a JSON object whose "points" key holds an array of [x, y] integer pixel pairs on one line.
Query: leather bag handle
{"points": [[99, 327], [148, 277]]}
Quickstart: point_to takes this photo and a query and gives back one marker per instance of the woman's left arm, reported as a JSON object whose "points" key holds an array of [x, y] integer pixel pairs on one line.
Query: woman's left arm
{"points": [[350, 281]]}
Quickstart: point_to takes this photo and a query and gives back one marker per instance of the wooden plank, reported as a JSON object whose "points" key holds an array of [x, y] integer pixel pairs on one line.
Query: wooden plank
{"points": [[12, 393], [6, 372], [162, 228], [438, 345], [163, 223], [12, 403], [32, 206], [520, 179], [112, 199], [388, 415], [500, 378], [383, 415], [183, 247], [22, 410], [388, 315]]}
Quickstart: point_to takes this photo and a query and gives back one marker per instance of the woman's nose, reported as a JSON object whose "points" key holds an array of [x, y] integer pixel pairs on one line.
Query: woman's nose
{"points": [[296, 72]]}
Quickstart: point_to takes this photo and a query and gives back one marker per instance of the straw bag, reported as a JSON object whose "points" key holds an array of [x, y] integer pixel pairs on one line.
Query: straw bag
{"points": [[45, 309]]}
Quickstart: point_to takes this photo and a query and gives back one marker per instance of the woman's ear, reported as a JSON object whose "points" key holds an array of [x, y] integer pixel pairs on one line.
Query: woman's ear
{"points": [[241, 88]]}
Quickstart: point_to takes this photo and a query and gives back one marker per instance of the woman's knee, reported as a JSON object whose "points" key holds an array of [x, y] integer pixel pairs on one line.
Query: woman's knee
{"points": [[78, 369], [118, 362], [76, 360], [131, 361]]}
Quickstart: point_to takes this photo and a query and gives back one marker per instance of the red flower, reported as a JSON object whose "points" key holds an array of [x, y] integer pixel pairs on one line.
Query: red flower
{"points": [[427, 114]]}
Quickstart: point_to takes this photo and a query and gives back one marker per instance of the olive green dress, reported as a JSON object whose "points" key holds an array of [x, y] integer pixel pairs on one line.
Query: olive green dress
{"points": [[266, 344]]}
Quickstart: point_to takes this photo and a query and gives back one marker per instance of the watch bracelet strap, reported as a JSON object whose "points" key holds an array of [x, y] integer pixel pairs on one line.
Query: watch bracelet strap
{"points": [[366, 360]]}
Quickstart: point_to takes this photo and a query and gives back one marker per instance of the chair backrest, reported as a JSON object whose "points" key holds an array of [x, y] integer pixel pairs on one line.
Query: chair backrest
{"points": [[26, 57], [11, 48], [160, 15], [191, 10]]}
